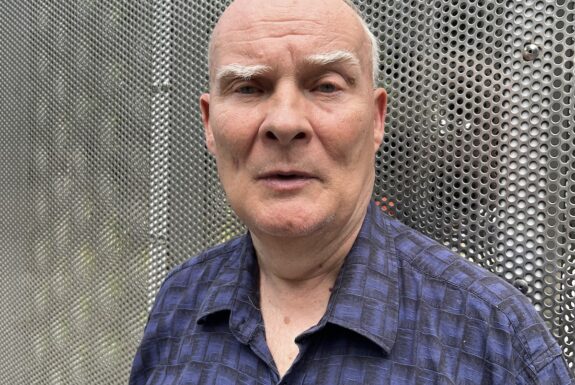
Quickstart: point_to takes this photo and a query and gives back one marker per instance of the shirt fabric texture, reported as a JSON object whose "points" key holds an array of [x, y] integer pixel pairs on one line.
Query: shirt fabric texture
{"points": [[404, 310]]}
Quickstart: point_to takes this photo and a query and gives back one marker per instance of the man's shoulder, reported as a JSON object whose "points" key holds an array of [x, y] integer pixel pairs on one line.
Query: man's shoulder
{"points": [[437, 262], [452, 284], [189, 283], [207, 263]]}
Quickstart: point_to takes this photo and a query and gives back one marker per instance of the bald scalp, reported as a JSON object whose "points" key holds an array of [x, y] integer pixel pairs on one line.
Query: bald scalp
{"points": [[374, 45]]}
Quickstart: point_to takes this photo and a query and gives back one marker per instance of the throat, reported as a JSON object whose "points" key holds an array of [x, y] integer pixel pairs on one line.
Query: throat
{"points": [[286, 315], [282, 329]]}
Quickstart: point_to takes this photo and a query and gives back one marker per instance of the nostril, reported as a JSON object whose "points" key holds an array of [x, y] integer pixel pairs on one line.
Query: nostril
{"points": [[285, 136], [270, 135]]}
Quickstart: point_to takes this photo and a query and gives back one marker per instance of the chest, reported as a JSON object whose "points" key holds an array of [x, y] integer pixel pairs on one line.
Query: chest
{"points": [[333, 356]]}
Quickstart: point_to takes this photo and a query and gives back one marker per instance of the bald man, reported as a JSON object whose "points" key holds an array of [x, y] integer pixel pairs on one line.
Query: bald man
{"points": [[324, 289]]}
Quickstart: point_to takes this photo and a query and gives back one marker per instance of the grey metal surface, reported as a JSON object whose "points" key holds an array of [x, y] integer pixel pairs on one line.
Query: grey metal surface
{"points": [[15, 120], [481, 141], [106, 183], [76, 121]]}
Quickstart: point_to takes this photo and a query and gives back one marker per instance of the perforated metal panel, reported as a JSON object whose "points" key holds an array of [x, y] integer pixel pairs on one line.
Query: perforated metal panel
{"points": [[76, 118], [106, 183], [480, 150]]}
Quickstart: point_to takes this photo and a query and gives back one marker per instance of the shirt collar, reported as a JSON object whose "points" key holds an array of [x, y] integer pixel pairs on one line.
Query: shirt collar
{"points": [[365, 297], [366, 293]]}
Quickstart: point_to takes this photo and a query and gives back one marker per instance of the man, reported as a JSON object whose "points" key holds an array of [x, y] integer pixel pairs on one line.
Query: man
{"points": [[324, 289]]}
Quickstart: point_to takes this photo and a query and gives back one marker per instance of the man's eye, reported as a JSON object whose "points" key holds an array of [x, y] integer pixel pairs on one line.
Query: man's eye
{"points": [[327, 88], [247, 90]]}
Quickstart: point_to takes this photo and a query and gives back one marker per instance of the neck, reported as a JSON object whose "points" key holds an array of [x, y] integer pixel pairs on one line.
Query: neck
{"points": [[307, 264], [296, 278]]}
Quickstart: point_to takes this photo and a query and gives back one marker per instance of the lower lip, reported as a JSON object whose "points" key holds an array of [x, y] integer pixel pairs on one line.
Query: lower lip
{"points": [[280, 184]]}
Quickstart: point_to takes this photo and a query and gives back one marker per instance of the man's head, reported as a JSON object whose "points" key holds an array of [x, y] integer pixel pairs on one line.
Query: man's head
{"points": [[370, 36], [292, 117]]}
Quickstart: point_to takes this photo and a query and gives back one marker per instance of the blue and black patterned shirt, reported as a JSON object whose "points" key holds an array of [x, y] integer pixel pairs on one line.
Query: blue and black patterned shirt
{"points": [[404, 310]]}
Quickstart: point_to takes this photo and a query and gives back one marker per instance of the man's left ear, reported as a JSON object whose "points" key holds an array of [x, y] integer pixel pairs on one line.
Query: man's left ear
{"points": [[380, 100], [205, 110]]}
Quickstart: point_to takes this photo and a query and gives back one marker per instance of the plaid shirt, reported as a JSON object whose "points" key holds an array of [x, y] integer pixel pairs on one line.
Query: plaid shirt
{"points": [[404, 310]]}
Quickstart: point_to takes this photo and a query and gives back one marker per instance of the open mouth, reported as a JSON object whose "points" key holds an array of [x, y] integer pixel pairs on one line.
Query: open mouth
{"points": [[283, 180], [288, 176]]}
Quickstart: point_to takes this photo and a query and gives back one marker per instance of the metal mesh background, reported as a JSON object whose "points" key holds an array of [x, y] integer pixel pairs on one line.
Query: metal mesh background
{"points": [[106, 183]]}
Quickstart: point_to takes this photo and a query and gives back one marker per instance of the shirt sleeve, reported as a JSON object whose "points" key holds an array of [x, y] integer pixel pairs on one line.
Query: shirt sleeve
{"points": [[539, 359], [153, 348], [146, 355], [555, 372]]}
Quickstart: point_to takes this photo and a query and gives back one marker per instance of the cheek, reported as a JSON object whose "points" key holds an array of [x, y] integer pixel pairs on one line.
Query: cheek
{"points": [[233, 135], [348, 140]]}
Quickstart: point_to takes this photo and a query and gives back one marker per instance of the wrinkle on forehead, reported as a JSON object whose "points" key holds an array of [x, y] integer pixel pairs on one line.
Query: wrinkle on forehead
{"points": [[271, 28]]}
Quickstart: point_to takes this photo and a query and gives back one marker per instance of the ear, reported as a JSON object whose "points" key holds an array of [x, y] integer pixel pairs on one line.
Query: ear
{"points": [[380, 100], [205, 110]]}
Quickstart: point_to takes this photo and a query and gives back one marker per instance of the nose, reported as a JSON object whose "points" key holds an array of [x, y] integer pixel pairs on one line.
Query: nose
{"points": [[286, 119]]}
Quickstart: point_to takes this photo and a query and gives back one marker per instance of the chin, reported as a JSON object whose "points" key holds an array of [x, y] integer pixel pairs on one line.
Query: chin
{"points": [[288, 223]]}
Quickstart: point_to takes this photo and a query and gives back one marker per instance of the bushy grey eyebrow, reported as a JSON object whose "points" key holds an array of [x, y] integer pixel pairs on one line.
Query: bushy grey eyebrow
{"points": [[238, 71], [247, 72], [323, 59]]}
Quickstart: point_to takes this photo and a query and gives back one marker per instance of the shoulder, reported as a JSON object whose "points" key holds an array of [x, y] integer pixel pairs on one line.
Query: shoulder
{"points": [[449, 283], [435, 261], [207, 260], [191, 279]]}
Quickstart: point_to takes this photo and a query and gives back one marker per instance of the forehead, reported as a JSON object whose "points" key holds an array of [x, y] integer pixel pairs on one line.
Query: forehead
{"points": [[250, 30]]}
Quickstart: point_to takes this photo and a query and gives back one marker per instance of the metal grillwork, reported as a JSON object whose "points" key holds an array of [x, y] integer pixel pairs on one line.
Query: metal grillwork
{"points": [[106, 183]]}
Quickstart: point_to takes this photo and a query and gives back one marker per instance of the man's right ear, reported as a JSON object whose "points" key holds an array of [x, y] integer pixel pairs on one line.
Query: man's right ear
{"points": [[205, 110]]}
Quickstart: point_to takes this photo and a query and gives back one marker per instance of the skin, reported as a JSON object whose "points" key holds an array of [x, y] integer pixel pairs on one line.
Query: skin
{"points": [[317, 125]]}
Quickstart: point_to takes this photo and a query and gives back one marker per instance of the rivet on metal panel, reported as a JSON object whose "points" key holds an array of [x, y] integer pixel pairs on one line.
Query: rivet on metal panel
{"points": [[531, 52], [521, 285]]}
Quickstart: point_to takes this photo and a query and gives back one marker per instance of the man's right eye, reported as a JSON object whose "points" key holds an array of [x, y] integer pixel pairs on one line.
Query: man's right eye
{"points": [[246, 90]]}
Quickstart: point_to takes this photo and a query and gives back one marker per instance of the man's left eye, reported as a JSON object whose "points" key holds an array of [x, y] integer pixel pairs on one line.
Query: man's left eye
{"points": [[246, 90], [327, 88]]}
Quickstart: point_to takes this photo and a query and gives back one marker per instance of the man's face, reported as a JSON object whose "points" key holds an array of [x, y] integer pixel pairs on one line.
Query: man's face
{"points": [[292, 117]]}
